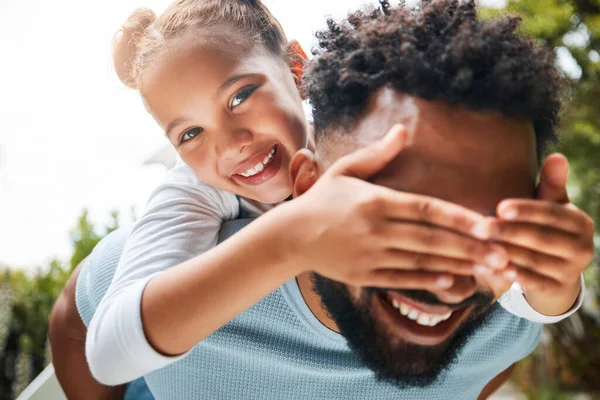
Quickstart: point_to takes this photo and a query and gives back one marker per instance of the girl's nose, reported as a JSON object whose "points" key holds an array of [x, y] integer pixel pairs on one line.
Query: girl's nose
{"points": [[233, 143]]}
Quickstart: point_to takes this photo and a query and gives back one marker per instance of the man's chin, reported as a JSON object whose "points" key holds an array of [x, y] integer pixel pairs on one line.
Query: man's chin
{"points": [[414, 359], [406, 364], [398, 349]]}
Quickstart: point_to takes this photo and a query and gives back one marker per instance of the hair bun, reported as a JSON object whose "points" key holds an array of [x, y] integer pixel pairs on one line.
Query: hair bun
{"points": [[125, 44]]}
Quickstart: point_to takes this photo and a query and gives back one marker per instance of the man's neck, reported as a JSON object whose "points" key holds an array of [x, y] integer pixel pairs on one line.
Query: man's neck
{"points": [[313, 301]]}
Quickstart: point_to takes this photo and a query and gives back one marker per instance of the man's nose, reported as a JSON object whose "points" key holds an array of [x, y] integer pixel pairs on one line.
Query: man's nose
{"points": [[231, 143], [463, 288]]}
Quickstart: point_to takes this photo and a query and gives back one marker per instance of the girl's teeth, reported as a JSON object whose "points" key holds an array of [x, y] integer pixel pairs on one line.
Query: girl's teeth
{"points": [[269, 156], [260, 166], [248, 173]]}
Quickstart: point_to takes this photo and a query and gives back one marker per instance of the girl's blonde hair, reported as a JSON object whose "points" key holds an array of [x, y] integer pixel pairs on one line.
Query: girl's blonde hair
{"points": [[143, 35]]}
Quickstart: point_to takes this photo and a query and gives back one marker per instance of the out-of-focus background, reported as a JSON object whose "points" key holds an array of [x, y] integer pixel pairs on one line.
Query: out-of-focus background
{"points": [[79, 156]]}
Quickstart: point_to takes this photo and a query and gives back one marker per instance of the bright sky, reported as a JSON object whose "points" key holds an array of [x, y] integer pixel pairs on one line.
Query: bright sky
{"points": [[71, 136]]}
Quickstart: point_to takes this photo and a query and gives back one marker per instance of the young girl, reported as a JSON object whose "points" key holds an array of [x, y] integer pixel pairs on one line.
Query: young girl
{"points": [[220, 79]]}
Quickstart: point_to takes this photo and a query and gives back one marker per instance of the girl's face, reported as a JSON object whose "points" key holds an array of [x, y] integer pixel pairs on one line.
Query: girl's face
{"points": [[235, 118]]}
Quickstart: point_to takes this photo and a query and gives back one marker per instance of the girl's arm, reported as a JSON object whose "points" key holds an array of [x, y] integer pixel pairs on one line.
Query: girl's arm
{"points": [[152, 321], [182, 219]]}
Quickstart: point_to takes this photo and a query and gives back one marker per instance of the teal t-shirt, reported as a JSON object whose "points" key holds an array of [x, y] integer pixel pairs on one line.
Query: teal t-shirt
{"points": [[278, 349]]}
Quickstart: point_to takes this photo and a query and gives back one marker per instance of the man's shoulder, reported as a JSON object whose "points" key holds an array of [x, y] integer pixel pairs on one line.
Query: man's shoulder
{"points": [[98, 271], [511, 336]]}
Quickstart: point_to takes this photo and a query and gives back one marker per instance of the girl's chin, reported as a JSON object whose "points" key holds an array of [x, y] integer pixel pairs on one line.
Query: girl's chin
{"points": [[270, 194], [273, 199]]}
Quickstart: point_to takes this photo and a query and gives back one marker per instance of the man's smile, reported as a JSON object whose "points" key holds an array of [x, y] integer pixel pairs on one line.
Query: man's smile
{"points": [[418, 323]]}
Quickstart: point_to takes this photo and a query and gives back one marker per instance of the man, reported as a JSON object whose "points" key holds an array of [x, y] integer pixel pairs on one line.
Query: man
{"points": [[479, 104]]}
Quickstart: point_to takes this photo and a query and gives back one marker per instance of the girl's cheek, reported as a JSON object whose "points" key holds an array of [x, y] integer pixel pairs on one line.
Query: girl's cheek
{"points": [[200, 163]]}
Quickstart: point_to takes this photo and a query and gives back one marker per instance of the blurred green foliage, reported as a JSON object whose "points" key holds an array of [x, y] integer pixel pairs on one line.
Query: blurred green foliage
{"points": [[84, 237], [26, 300], [569, 361]]}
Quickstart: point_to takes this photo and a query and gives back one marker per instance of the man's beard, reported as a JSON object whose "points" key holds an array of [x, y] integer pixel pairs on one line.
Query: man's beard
{"points": [[393, 359]]}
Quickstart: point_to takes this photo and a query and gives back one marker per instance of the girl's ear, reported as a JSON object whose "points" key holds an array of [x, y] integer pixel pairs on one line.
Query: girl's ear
{"points": [[304, 171], [298, 60]]}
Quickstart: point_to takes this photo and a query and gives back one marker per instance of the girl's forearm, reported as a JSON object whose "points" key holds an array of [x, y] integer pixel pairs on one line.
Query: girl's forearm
{"points": [[187, 303]]}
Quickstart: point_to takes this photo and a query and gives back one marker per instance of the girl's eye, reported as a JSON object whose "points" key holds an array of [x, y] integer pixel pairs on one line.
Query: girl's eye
{"points": [[190, 134], [242, 95]]}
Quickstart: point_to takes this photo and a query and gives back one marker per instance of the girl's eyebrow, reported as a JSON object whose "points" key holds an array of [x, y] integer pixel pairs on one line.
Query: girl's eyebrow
{"points": [[173, 124], [230, 81]]}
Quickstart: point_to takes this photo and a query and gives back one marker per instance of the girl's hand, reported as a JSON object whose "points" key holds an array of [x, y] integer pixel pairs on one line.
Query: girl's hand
{"points": [[363, 234], [549, 241]]}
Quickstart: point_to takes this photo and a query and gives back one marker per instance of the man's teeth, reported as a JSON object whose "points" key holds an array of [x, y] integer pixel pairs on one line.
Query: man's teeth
{"points": [[419, 317], [258, 168]]}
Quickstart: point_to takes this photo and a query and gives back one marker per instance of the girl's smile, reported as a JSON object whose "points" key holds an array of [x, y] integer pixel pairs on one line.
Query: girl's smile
{"points": [[259, 169]]}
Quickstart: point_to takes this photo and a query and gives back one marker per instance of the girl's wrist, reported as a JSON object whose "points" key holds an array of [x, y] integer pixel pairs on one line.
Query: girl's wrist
{"points": [[289, 225]]}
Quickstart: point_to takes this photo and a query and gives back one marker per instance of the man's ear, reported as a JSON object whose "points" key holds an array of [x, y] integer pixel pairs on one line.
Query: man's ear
{"points": [[304, 171], [298, 61]]}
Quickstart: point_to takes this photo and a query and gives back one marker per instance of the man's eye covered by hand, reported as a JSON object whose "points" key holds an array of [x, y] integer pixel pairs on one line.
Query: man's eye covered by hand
{"points": [[400, 240], [548, 240]]}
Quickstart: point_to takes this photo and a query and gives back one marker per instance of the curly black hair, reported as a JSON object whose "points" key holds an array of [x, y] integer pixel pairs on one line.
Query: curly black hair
{"points": [[438, 50]]}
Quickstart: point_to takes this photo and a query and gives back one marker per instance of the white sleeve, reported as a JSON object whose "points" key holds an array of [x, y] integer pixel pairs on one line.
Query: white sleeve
{"points": [[515, 302], [182, 220]]}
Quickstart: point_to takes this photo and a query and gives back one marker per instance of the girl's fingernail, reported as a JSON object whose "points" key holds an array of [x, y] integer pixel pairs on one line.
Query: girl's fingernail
{"points": [[510, 213], [482, 270], [510, 274], [494, 260], [481, 230], [445, 281]]}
